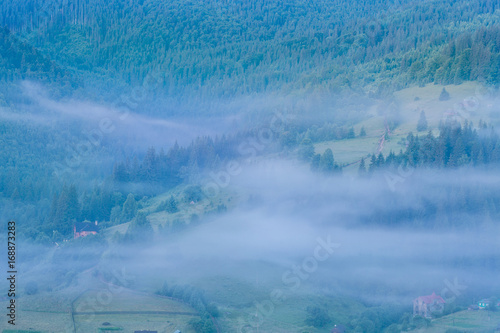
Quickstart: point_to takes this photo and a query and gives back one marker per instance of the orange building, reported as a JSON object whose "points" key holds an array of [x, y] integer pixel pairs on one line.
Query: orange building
{"points": [[82, 229]]}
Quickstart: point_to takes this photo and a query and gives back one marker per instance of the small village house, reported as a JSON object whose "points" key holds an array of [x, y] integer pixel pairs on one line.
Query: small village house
{"points": [[425, 305], [85, 228], [483, 304]]}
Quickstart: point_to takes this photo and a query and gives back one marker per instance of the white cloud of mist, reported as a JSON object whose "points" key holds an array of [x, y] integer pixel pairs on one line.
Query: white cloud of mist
{"points": [[296, 207], [291, 208], [128, 127]]}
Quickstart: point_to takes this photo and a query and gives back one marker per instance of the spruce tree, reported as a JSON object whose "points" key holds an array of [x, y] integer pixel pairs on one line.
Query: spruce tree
{"points": [[444, 96], [362, 168], [380, 160], [326, 163], [351, 134], [422, 122], [373, 164], [306, 150], [315, 162], [129, 209]]}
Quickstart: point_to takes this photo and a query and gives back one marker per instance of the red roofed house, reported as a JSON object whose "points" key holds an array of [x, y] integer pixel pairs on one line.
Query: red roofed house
{"points": [[425, 305], [82, 229]]}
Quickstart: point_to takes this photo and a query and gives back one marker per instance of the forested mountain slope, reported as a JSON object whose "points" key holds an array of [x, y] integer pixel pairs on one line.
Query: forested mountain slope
{"points": [[225, 48]]}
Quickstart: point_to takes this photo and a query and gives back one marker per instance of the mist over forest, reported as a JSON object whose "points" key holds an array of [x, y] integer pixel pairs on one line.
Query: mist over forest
{"points": [[213, 166]]}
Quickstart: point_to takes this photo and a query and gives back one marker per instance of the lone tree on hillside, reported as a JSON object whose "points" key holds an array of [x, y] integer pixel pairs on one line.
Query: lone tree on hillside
{"points": [[444, 96], [351, 134], [422, 122]]}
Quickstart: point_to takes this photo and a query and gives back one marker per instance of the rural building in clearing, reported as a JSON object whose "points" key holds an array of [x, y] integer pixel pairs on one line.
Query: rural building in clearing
{"points": [[85, 228], [425, 305]]}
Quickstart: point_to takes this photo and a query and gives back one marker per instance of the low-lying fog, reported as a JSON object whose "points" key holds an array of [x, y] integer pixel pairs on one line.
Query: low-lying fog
{"points": [[300, 230]]}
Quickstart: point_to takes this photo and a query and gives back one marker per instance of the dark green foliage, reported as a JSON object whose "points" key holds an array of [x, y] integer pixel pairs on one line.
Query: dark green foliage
{"points": [[213, 310], [350, 133], [363, 42], [118, 44], [65, 210], [306, 150], [176, 46], [169, 169], [203, 325], [373, 164], [129, 209], [193, 193], [195, 298], [20, 60], [455, 146], [317, 316], [362, 168], [445, 95], [362, 132], [315, 162], [328, 132], [422, 122], [378, 319], [420, 322], [326, 163], [169, 205]]}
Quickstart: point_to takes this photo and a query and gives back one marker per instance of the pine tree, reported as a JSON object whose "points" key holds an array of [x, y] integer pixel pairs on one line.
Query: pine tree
{"points": [[129, 209], [315, 162], [73, 209], [171, 205], [326, 163], [373, 164], [362, 168], [422, 122], [350, 133], [380, 160], [362, 132], [444, 96], [149, 165], [306, 150]]}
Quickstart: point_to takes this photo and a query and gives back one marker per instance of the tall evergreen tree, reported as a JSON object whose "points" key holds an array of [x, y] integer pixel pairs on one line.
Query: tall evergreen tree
{"points": [[362, 168], [129, 209], [306, 150], [445, 95], [373, 164], [315, 162], [351, 134], [326, 163], [422, 122]]}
